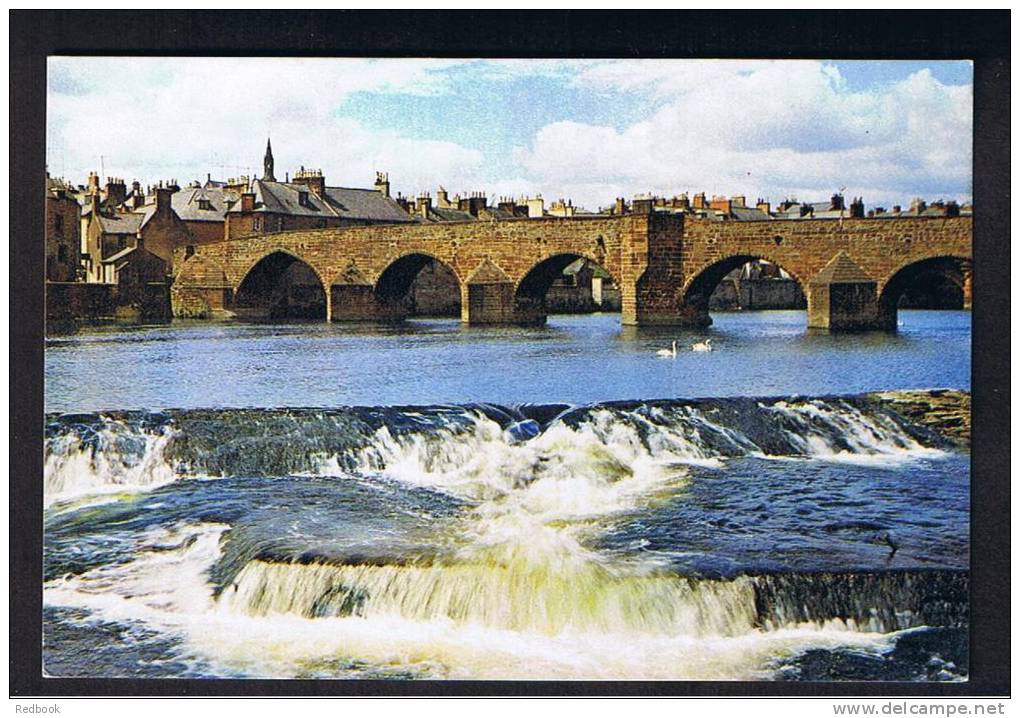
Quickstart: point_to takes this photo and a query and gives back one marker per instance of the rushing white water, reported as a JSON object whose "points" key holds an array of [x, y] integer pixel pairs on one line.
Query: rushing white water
{"points": [[615, 633], [520, 594], [845, 433], [75, 469]]}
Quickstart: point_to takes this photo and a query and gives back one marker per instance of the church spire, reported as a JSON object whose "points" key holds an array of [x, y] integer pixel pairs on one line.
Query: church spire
{"points": [[267, 163]]}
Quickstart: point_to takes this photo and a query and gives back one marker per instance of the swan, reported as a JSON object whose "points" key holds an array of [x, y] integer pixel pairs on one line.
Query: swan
{"points": [[667, 352], [705, 346]]}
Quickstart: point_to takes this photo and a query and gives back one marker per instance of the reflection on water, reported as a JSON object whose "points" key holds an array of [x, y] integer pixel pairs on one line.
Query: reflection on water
{"points": [[575, 359]]}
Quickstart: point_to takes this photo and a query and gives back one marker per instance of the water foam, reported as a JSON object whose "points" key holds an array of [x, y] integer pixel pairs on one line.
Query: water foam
{"points": [[113, 459]]}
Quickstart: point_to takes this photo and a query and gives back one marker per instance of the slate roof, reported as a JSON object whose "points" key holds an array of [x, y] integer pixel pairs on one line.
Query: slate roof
{"points": [[448, 214], [841, 270], [121, 223], [345, 202], [748, 214], [187, 203], [119, 255]]}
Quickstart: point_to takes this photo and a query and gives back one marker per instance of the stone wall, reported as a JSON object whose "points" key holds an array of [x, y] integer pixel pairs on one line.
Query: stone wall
{"points": [[69, 303], [757, 294], [496, 256], [664, 266]]}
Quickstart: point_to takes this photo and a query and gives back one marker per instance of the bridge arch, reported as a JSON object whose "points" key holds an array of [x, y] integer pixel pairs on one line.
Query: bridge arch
{"points": [[941, 282], [419, 283], [281, 285], [699, 286], [531, 292]]}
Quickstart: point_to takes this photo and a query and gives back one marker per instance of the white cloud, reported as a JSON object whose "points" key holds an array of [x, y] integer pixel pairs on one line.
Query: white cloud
{"points": [[153, 119], [759, 128], [764, 128]]}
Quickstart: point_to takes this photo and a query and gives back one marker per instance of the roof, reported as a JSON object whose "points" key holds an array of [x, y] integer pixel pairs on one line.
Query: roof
{"points": [[123, 256], [748, 214], [121, 223], [365, 204], [841, 270], [448, 214], [344, 202], [189, 206]]}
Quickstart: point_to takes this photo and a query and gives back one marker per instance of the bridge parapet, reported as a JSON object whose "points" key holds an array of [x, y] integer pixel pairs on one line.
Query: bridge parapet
{"points": [[665, 266]]}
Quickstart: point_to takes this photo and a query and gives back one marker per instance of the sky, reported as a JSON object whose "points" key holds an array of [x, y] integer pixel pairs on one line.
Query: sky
{"points": [[584, 130]]}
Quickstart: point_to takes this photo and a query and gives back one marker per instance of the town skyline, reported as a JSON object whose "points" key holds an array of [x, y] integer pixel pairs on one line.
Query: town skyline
{"points": [[588, 131]]}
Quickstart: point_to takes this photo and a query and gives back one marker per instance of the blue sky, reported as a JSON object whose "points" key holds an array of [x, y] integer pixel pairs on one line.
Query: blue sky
{"points": [[586, 130]]}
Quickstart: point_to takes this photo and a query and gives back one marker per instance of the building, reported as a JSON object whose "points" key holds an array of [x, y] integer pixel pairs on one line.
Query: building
{"points": [[155, 227], [307, 202], [63, 231], [202, 208]]}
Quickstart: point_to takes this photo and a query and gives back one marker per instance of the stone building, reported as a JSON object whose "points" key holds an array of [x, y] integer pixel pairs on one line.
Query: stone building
{"points": [[63, 232], [307, 202], [202, 209], [155, 227]]}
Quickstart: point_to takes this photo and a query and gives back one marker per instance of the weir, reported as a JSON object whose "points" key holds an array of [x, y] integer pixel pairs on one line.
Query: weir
{"points": [[499, 541], [665, 266]]}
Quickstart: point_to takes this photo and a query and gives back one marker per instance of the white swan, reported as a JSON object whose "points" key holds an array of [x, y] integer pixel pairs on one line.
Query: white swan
{"points": [[705, 346], [670, 353]]}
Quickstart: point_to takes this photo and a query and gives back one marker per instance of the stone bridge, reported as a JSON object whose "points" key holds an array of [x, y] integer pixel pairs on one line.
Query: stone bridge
{"points": [[666, 266]]}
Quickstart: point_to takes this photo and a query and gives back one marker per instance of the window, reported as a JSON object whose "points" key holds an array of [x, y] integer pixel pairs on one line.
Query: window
{"points": [[303, 199], [58, 224], [189, 251], [61, 253], [256, 224], [204, 204]]}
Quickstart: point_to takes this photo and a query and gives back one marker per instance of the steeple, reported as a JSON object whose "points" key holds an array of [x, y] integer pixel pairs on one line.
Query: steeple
{"points": [[267, 174]]}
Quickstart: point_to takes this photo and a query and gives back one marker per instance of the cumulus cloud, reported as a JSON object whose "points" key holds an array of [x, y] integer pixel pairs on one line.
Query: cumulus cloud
{"points": [[160, 118], [766, 129], [759, 128]]}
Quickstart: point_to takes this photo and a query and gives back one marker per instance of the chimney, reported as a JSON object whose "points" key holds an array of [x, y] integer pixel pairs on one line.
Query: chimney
{"points": [[722, 204], [837, 202], [764, 206], [424, 205], [682, 202], [952, 208], [382, 183], [507, 204], [620, 207], [473, 203], [163, 199], [896, 209], [642, 205], [443, 199], [857, 207], [404, 204], [917, 205], [536, 207], [238, 185], [94, 201], [312, 179], [116, 191], [699, 201], [739, 200], [247, 201]]}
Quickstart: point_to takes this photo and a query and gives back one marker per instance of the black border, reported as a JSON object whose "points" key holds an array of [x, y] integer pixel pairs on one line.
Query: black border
{"points": [[979, 35]]}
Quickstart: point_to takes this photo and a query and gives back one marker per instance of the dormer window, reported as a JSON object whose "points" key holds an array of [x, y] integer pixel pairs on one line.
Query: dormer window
{"points": [[303, 198], [204, 204]]}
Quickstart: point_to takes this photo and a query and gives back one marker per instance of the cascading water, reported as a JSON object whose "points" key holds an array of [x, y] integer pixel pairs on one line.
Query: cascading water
{"points": [[487, 541]]}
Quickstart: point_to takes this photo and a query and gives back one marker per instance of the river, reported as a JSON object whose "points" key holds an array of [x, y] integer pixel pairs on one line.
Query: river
{"points": [[426, 500]]}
